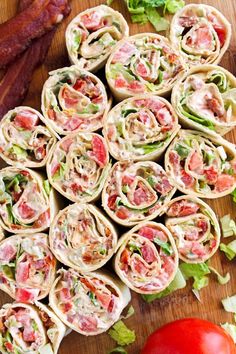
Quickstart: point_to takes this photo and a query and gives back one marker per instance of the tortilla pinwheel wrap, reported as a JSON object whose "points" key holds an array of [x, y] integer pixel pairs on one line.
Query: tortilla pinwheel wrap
{"points": [[200, 165], [27, 267], [32, 329], [195, 228], [205, 99], [25, 138], [200, 33], [27, 202], [82, 238], [91, 36], [143, 63], [74, 100], [136, 191], [147, 258], [88, 303], [78, 166], [140, 128]]}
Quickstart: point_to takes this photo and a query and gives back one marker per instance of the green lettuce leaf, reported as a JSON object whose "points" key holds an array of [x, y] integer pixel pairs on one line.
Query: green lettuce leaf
{"points": [[179, 282], [118, 350], [230, 329], [159, 23], [122, 334], [198, 272], [229, 250], [172, 6]]}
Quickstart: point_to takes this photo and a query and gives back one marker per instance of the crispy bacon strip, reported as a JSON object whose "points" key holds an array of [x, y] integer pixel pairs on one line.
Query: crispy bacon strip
{"points": [[18, 32], [15, 83]]}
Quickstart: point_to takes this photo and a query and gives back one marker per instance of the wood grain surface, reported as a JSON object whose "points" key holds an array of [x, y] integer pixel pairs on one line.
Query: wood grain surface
{"points": [[181, 304]]}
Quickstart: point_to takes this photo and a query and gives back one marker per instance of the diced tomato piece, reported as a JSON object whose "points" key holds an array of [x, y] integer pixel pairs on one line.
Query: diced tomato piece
{"points": [[65, 144], [51, 114], [187, 179], [44, 219], [196, 162], [172, 57], [99, 152], [80, 83], [120, 82], [69, 98], [87, 257], [202, 224], [9, 347], [88, 324], [122, 213], [25, 173], [27, 121], [111, 305], [148, 254], [40, 153], [182, 208], [88, 284], [7, 252], [124, 258], [26, 295], [224, 182], [221, 33], [215, 106], [136, 86], [65, 294], [28, 334], [22, 272], [66, 307], [75, 188], [112, 202], [103, 298], [127, 180], [91, 21], [211, 175], [25, 211]]}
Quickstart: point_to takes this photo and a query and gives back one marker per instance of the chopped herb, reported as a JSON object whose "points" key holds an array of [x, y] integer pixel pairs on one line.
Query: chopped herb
{"points": [[165, 246]]}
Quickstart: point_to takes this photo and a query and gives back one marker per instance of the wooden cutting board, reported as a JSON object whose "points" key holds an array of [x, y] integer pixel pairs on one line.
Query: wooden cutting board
{"points": [[181, 304]]}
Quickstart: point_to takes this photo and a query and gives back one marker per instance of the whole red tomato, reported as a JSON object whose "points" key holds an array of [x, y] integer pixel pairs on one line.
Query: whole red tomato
{"points": [[189, 336]]}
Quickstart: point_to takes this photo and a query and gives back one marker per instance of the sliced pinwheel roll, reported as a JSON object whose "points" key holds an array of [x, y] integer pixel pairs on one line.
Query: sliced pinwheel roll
{"points": [[78, 166], [201, 33], [90, 303], [27, 267], [195, 228], [25, 139], [136, 191], [91, 36], [144, 63], [82, 238], [147, 258], [201, 166], [27, 203], [205, 99], [74, 100], [140, 128], [32, 329]]}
